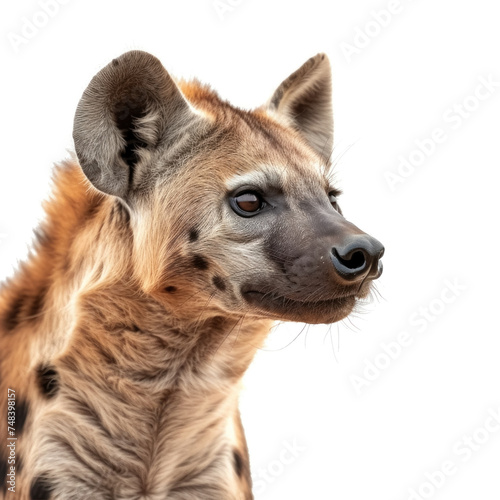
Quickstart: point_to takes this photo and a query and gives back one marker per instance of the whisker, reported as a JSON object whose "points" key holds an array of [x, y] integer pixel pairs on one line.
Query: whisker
{"points": [[227, 336], [289, 343], [329, 333], [238, 332]]}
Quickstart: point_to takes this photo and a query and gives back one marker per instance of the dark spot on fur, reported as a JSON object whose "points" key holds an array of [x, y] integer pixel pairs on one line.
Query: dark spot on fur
{"points": [[219, 283], [170, 289], [200, 263], [22, 410], [238, 463], [40, 489], [48, 379], [37, 304], [194, 234], [12, 315], [3, 474], [115, 62], [135, 328]]}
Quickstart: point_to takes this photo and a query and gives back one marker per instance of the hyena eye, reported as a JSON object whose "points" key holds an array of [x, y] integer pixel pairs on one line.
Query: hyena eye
{"points": [[333, 201], [247, 203]]}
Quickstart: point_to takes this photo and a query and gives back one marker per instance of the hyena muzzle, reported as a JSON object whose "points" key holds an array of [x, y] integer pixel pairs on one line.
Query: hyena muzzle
{"points": [[182, 230]]}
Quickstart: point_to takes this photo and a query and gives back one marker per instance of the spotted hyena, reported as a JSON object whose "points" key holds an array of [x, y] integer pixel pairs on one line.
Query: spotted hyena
{"points": [[182, 229]]}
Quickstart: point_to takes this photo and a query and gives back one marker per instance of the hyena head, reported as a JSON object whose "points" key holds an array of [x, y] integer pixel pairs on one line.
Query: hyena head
{"points": [[231, 211]]}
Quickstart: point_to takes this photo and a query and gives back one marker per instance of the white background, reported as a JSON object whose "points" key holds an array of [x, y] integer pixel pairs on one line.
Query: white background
{"points": [[440, 223]]}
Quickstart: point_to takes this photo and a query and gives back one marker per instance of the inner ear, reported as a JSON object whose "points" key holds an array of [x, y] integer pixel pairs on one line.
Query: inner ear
{"points": [[304, 110], [304, 102], [128, 114]]}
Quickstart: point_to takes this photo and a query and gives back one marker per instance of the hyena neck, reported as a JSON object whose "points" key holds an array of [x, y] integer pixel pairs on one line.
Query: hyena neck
{"points": [[134, 338], [161, 389]]}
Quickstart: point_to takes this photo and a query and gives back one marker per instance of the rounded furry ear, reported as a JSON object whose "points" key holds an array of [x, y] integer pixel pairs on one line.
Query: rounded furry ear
{"points": [[129, 108], [304, 100]]}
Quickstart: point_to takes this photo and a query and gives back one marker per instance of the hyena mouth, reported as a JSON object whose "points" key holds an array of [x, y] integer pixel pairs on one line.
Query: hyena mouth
{"points": [[319, 311]]}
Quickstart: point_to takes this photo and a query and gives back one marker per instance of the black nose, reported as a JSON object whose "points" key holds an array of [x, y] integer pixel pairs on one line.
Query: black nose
{"points": [[358, 257]]}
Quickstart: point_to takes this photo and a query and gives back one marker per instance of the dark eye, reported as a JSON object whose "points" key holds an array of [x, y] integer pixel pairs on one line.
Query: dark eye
{"points": [[247, 203], [333, 201]]}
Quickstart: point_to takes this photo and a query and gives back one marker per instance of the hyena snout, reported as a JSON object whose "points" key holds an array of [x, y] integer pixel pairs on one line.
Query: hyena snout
{"points": [[358, 257]]}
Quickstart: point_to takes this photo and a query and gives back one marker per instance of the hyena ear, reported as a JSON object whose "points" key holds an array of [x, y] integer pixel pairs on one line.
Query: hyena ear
{"points": [[304, 99], [129, 108]]}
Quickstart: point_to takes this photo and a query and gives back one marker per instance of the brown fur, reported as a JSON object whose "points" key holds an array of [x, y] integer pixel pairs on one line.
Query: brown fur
{"points": [[124, 333]]}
